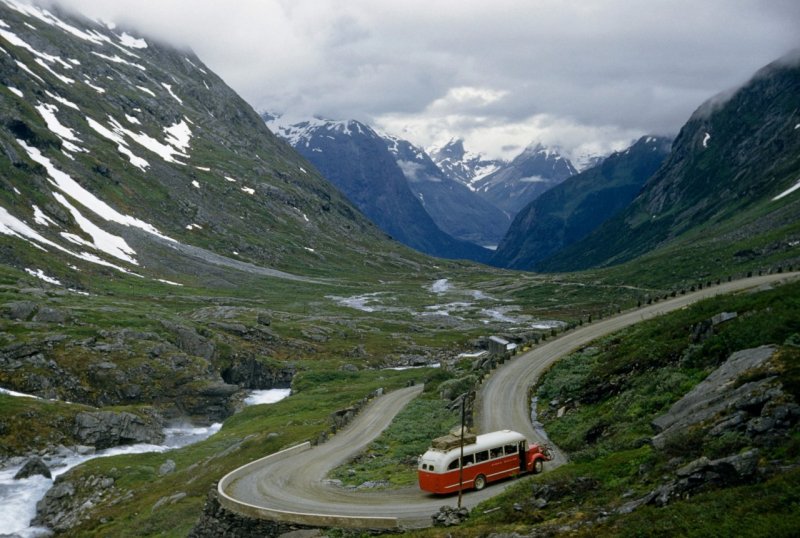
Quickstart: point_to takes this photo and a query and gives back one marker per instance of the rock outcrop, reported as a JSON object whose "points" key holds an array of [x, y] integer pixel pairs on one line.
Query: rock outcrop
{"points": [[34, 466], [104, 429], [216, 522], [728, 400]]}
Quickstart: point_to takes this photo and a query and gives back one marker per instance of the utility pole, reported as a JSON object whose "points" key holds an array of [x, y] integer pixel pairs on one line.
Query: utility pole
{"points": [[461, 457]]}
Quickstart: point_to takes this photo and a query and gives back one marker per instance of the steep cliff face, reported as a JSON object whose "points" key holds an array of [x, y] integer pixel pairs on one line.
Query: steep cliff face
{"points": [[456, 209], [355, 158], [730, 175], [573, 209], [532, 172]]}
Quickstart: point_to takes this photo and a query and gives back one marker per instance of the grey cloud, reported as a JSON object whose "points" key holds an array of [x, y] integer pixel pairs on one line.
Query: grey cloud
{"points": [[636, 66]]}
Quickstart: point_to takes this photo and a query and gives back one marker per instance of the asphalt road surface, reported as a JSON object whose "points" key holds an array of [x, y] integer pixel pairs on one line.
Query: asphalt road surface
{"points": [[297, 484]]}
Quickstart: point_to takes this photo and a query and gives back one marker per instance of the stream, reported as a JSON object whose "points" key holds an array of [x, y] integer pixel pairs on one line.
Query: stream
{"points": [[18, 498]]}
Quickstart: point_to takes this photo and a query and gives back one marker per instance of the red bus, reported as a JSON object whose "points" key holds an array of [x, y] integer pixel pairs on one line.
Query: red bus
{"points": [[489, 457]]}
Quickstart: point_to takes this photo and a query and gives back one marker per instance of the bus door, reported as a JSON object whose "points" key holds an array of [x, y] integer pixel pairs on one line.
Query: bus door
{"points": [[521, 449]]}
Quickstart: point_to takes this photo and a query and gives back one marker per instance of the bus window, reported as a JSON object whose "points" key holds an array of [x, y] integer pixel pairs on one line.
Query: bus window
{"points": [[453, 465], [496, 452], [468, 460], [481, 456], [511, 449]]}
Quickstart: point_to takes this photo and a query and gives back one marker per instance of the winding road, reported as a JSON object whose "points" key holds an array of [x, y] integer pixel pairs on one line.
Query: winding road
{"points": [[291, 486]]}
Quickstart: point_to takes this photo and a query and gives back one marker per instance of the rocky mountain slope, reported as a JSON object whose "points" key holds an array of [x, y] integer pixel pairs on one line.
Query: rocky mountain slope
{"points": [[455, 208], [121, 155], [461, 165], [129, 173], [521, 181], [571, 210], [729, 181], [355, 158]]}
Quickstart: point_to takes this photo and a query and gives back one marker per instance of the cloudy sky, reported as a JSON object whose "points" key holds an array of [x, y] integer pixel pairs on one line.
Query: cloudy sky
{"points": [[587, 75]]}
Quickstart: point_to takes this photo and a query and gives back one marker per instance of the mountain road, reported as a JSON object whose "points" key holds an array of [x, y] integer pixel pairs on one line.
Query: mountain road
{"points": [[293, 487]]}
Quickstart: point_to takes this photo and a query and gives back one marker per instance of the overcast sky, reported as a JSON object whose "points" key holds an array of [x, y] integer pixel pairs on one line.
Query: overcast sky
{"points": [[583, 74]]}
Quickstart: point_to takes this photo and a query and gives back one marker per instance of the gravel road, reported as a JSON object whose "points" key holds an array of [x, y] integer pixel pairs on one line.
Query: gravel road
{"points": [[297, 484]]}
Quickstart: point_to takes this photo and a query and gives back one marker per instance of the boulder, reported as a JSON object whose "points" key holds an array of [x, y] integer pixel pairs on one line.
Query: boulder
{"points": [[166, 467], [447, 516], [33, 466], [47, 314], [189, 341], [719, 396], [104, 429], [19, 310]]}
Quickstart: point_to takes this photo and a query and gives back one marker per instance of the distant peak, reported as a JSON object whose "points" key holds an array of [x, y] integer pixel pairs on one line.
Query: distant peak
{"points": [[454, 149]]}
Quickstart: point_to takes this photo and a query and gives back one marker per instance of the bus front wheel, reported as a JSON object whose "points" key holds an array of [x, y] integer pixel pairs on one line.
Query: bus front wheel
{"points": [[480, 482], [538, 466]]}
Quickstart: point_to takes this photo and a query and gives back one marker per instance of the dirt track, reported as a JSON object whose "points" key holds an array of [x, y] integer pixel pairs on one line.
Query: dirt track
{"points": [[297, 484]]}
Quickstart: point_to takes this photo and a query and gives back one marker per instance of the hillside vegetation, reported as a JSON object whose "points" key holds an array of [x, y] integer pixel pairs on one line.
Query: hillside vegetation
{"points": [[598, 404]]}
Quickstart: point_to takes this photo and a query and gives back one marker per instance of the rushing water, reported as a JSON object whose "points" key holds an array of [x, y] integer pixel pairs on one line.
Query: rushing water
{"points": [[18, 498]]}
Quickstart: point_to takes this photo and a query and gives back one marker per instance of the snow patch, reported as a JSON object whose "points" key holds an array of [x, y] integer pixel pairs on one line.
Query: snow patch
{"points": [[122, 146], [788, 191], [195, 184], [16, 92], [248, 190], [132, 119], [70, 187], [203, 168], [117, 60], [98, 89], [40, 218], [61, 100], [171, 283], [67, 136], [169, 89], [38, 273], [129, 41], [101, 240], [146, 90], [228, 178], [27, 70], [706, 138]]}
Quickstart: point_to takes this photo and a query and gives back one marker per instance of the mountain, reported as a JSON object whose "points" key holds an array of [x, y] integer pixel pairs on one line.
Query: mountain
{"points": [[356, 159], [461, 165], [138, 194], [120, 155], [518, 183], [453, 206], [725, 192], [572, 209]]}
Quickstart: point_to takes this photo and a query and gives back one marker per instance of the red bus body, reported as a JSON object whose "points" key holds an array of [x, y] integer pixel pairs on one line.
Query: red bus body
{"points": [[493, 456]]}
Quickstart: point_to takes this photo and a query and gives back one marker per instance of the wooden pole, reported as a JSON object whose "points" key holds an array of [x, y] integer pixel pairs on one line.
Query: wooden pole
{"points": [[461, 458]]}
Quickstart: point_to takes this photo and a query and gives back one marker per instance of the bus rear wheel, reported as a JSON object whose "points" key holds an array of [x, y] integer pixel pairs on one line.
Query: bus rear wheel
{"points": [[480, 482], [538, 466]]}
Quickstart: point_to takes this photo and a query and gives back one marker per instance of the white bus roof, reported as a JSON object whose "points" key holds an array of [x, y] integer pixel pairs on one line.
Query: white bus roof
{"points": [[483, 442]]}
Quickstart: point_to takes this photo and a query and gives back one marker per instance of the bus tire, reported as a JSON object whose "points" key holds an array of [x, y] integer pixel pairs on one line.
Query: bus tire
{"points": [[480, 482], [538, 466]]}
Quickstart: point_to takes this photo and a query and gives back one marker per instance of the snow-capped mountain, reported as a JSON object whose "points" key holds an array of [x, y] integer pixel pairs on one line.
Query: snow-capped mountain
{"points": [[532, 172], [581, 203], [456, 209], [357, 160], [461, 165]]}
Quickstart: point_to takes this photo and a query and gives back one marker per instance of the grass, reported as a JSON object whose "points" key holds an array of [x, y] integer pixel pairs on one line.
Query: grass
{"points": [[392, 458], [248, 435], [612, 389]]}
